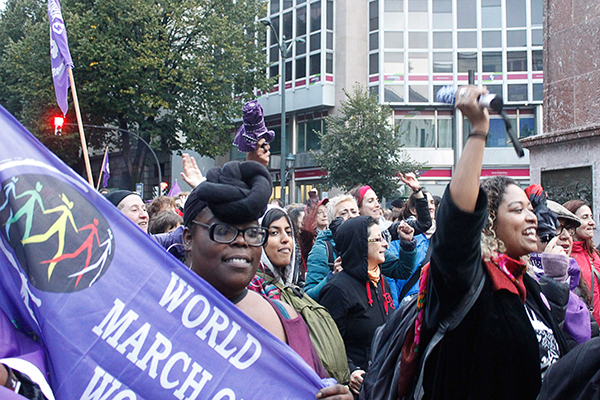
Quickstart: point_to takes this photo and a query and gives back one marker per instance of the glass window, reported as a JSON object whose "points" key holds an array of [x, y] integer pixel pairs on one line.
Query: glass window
{"points": [[442, 62], [527, 126], [373, 64], [312, 139], [301, 21], [445, 133], [393, 6], [495, 89], [301, 47], [442, 14], [467, 61], [416, 132], [287, 4], [287, 25], [374, 40], [497, 134], [330, 40], [538, 91], [491, 38], [516, 61], [492, 61], [418, 63], [393, 63], [315, 64], [537, 37], [418, 14], [537, 60], [315, 41], [516, 38], [436, 89], [301, 68], [330, 15], [288, 71], [273, 71], [491, 13], [393, 93], [393, 21], [418, 94], [466, 13], [536, 12], [275, 24], [442, 40], [393, 40], [517, 92], [274, 6], [467, 40], [329, 63], [315, 16], [373, 16], [274, 54], [417, 40], [301, 137], [374, 91], [300, 1], [276, 143], [515, 13]]}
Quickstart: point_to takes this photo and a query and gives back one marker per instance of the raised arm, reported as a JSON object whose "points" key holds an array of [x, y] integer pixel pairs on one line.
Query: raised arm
{"points": [[464, 187]]}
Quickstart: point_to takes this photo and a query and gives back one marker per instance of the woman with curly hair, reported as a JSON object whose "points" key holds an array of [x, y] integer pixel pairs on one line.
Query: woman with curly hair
{"points": [[482, 329], [584, 253]]}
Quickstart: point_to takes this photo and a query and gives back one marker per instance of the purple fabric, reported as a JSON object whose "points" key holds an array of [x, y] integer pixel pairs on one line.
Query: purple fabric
{"points": [[105, 170], [16, 345], [577, 319], [253, 129], [59, 54], [574, 272], [6, 394], [175, 190]]}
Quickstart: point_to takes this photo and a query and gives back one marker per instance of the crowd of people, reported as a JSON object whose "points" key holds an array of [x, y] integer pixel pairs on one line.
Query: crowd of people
{"points": [[489, 292]]}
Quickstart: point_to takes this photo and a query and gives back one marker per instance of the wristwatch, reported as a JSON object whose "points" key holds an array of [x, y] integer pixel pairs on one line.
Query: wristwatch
{"points": [[12, 382]]}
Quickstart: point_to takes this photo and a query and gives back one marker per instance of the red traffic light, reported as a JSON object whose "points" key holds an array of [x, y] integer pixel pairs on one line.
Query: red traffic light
{"points": [[164, 186], [59, 122]]}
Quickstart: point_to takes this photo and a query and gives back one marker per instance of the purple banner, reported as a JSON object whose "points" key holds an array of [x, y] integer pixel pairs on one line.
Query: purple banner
{"points": [[59, 54], [105, 170], [119, 317]]}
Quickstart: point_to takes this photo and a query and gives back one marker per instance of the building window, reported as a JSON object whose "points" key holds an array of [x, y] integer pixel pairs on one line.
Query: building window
{"points": [[442, 14], [329, 63], [417, 40], [393, 93], [442, 40], [491, 39], [516, 38], [393, 63], [315, 16], [418, 63], [538, 91], [467, 61], [416, 132], [467, 14], [515, 13], [537, 60], [315, 41], [516, 61], [442, 62], [330, 15], [492, 61], [373, 16], [418, 93], [445, 133], [526, 126], [301, 68], [517, 92], [418, 14], [301, 21], [467, 40], [491, 13], [373, 64], [287, 25], [315, 64], [537, 37], [536, 13], [393, 40]]}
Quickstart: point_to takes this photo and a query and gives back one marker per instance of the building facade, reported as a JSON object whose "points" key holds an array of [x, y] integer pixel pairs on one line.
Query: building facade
{"points": [[404, 51]]}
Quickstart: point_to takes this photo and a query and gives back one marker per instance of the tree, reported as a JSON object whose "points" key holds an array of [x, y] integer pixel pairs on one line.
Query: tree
{"points": [[175, 72], [361, 147]]}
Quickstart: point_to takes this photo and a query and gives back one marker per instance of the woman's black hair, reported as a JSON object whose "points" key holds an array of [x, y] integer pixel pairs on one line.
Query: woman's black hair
{"points": [[410, 205], [271, 216]]}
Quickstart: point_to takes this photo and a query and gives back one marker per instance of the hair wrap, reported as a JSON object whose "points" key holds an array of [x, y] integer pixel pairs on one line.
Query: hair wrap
{"points": [[363, 191], [237, 193]]}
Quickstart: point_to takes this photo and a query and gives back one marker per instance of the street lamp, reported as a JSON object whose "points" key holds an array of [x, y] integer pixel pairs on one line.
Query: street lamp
{"points": [[284, 49], [290, 161]]}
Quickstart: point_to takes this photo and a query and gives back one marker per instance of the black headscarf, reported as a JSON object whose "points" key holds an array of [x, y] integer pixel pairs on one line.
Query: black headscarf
{"points": [[118, 195], [237, 193], [351, 244]]}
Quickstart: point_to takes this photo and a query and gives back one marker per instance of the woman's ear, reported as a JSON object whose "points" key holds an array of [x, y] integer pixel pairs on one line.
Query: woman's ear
{"points": [[187, 238]]}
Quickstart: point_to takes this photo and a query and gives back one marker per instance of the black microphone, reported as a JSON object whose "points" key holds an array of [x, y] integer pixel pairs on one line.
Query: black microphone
{"points": [[447, 95]]}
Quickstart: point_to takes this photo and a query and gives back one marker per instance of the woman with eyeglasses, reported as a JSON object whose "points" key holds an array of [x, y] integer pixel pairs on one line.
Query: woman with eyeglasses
{"points": [[223, 242], [584, 253], [358, 297]]}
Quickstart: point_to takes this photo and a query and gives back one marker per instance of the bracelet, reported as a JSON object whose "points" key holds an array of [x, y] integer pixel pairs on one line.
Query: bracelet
{"points": [[417, 191], [12, 383], [478, 134]]}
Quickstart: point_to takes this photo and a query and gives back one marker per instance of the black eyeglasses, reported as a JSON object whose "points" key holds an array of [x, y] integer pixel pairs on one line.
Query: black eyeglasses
{"points": [[563, 228], [255, 236], [265, 146]]}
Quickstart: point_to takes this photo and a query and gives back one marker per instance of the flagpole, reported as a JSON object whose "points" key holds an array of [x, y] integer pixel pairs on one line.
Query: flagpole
{"points": [[102, 168], [86, 157]]}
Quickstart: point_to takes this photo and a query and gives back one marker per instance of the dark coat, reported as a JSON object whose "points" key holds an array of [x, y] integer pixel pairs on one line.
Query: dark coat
{"points": [[493, 353], [347, 298]]}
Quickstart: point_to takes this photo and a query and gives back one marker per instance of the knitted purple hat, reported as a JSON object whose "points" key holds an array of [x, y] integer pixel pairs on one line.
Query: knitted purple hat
{"points": [[253, 129]]}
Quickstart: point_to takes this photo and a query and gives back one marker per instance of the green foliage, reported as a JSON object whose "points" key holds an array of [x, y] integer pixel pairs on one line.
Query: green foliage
{"points": [[360, 147], [175, 72]]}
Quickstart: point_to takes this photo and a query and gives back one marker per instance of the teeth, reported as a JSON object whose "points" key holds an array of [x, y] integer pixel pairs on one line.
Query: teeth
{"points": [[529, 231], [238, 260]]}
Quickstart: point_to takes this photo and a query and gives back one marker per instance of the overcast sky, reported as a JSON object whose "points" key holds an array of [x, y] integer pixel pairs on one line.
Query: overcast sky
{"points": [[2, 4]]}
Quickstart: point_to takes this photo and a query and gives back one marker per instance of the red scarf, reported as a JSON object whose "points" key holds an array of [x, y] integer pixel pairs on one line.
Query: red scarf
{"points": [[506, 273]]}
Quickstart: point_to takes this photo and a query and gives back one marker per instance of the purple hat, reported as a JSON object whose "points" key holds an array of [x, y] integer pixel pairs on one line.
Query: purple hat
{"points": [[253, 128]]}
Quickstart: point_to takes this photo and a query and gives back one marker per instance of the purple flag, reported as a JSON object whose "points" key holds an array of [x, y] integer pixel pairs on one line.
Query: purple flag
{"points": [[175, 190], [60, 55], [118, 316], [105, 170]]}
